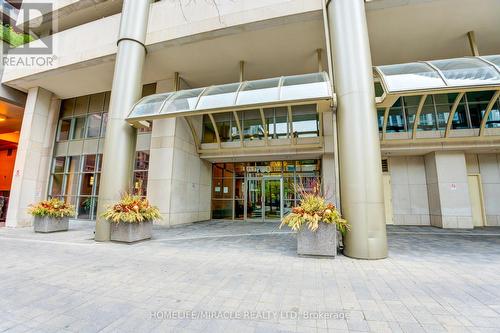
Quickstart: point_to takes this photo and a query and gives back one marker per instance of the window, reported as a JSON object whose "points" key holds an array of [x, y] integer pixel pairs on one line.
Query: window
{"points": [[428, 120], [141, 168], [252, 125], [79, 128], [305, 121], [277, 125], [396, 121], [226, 126], [477, 103], [94, 125], [64, 129], [208, 130]]}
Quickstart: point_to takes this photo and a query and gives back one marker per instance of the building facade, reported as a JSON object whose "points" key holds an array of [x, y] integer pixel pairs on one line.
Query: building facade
{"points": [[219, 111]]}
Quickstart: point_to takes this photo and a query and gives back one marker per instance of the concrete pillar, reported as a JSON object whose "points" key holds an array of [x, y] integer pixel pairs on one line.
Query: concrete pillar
{"points": [[178, 180], [119, 147], [448, 190], [359, 147], [34, 152]]}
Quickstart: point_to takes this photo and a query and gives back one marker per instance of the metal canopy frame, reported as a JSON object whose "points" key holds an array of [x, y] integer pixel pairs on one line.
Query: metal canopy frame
{"points": [[314, 88]]}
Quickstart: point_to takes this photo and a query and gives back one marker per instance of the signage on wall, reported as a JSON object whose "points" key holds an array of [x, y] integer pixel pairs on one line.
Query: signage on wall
{"points": [[453, 187]]}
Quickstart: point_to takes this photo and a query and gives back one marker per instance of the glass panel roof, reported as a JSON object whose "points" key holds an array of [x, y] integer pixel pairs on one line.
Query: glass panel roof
{"points": [[439, 74], [149, 105], [414, 75], [268, 91], [495, 59], [467, 71]]}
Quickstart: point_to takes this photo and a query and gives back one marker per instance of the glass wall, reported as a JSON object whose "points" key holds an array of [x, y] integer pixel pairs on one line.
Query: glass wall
{"points": [[237, 187], [76, 166], [436, 112], [255, 124]]}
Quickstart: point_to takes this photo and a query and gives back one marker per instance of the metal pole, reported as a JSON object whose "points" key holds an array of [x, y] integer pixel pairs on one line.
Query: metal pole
{"points": [[119, 147], [359, 146]]}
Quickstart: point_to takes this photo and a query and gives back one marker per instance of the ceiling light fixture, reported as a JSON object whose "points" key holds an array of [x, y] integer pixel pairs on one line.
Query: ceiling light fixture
{"points": [[3, 118]]}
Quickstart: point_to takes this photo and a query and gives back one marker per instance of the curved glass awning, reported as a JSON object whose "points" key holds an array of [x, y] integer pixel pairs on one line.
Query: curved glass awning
{"points": [[454, 73], [241, 95]]}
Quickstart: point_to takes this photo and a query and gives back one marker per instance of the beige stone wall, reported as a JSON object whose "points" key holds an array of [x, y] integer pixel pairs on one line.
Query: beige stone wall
{"points": [[409, 190], [34, 153], [179, 181], [448, 190], [488, 166]]}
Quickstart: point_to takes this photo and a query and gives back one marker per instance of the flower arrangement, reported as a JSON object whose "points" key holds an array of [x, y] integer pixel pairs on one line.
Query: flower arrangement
{"points": [[55, 208], [312, 210], [132, 209]]}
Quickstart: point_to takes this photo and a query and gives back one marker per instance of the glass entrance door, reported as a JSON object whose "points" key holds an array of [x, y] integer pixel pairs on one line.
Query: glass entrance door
{"points": [[253, 207], [273, 199], [264, 199]]}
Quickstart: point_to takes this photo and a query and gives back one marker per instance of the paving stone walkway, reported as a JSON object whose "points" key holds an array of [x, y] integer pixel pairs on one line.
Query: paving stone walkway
{"points": [[433, 281]]}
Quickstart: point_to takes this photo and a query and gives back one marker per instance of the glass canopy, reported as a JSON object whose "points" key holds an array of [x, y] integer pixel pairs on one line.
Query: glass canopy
{"points": [[440, 74], [281, 90]]}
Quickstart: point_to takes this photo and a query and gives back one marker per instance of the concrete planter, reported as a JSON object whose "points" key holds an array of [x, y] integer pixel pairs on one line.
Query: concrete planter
{"points": [[131, 232], [322, 242], [50, 224]]}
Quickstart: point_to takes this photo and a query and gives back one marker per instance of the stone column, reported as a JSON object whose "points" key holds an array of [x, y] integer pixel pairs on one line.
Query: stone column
{"points": [[119, 147], [34, 152], [448, 190], [361, 190]]}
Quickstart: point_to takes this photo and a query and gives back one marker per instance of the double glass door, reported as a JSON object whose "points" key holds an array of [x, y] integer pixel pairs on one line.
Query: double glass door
{"points": [[264, 199]]}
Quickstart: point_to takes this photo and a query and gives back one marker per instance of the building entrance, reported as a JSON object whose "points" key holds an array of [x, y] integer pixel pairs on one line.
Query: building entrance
{"points": [[259, 191], [264, 199]]}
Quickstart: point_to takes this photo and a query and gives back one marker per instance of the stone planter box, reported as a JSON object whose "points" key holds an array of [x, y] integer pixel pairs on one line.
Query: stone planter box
{"points": [[50, 224], [131, 232], [322, 242]]}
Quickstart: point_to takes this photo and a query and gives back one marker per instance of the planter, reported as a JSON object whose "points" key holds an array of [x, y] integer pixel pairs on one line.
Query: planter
{"points": [[50, 224], [322, 242], [131, 232]]}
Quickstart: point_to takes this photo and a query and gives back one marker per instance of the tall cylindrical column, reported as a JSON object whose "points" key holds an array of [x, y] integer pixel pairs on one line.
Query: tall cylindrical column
{"points": [[119, 147], [359, 147]]}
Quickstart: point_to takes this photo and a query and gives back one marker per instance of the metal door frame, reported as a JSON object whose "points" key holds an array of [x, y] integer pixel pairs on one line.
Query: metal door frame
{"points": [[266, 178], [263, 180]]}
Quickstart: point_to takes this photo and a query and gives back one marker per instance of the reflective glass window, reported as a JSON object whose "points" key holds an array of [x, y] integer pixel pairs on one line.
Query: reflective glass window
{"points": [[460, 119], [140, 183], [444, 104], [477, 103], [94, 125], [428, 120], [142, 160], [494, 117], [222, 209], [89, 163], [252, 124], [227, 127], [380, 118], [84, 208], [64, 129], [57, 183], [79, 128], [277, 125], [396, 121], [208, 135], [58, 164], [410, 104], [104, 124], [87, 184], [305, 121]]}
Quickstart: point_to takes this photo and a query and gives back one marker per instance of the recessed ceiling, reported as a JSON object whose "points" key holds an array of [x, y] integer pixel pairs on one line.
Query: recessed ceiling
{"points": [[14, 116]]}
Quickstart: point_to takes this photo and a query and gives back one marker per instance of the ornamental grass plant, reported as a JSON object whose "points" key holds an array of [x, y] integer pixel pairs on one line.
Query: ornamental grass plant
{"points": [[313, 210], [132, 209], [54, 208]]}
